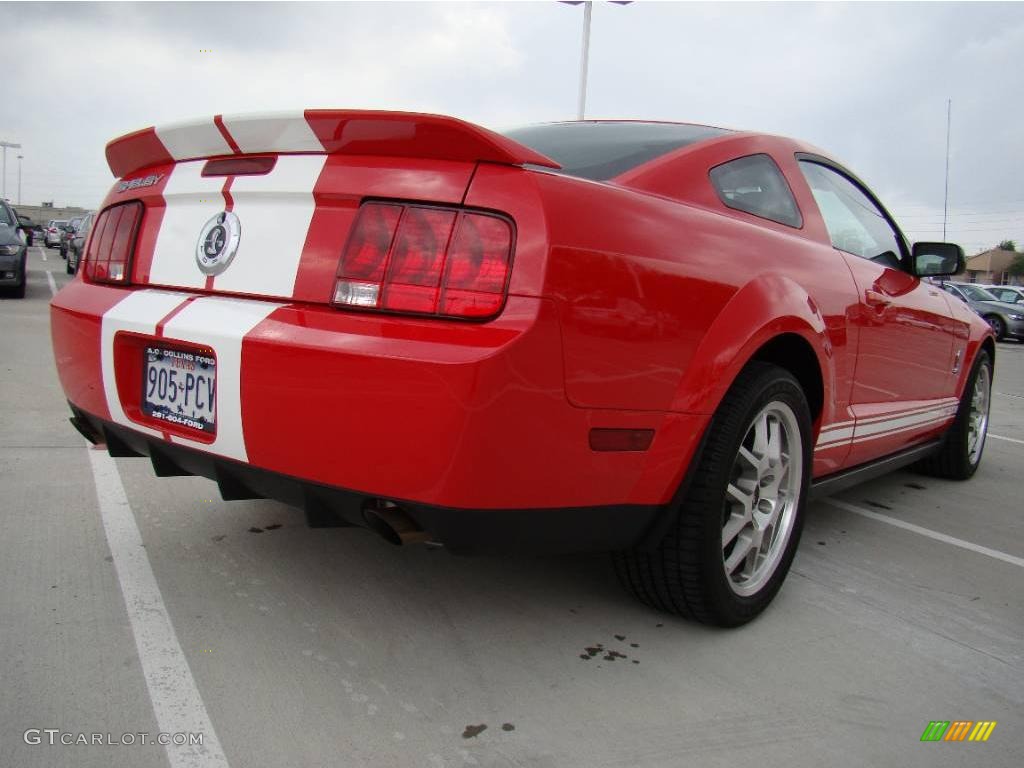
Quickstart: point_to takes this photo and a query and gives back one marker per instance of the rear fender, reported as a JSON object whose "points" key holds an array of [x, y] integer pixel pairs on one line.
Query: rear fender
{"points": [[767, 307]]}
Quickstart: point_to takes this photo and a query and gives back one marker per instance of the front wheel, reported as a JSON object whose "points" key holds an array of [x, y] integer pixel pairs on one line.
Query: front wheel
{"points": [[997, 325], [738, 527], [960, 455]]}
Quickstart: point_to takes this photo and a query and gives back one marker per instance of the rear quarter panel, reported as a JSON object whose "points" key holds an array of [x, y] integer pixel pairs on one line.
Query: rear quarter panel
{"points": [[662, 303]]}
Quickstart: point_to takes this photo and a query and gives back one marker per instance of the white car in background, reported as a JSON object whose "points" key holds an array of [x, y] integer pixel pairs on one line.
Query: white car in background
{"points": [[54, 230]]}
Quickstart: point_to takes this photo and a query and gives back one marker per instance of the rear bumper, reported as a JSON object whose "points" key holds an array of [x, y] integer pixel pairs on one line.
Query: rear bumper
{"points": [[432, 414], [463, 531]]}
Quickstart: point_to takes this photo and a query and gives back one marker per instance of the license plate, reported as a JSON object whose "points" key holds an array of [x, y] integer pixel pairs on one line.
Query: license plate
{"points": [[180, 387]]}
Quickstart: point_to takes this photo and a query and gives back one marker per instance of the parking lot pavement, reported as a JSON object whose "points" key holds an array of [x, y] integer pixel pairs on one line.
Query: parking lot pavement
{"points": [[330, 647]]}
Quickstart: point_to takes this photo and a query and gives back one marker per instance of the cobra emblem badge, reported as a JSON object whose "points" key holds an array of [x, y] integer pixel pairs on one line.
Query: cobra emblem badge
{"points": [[218, 243]]}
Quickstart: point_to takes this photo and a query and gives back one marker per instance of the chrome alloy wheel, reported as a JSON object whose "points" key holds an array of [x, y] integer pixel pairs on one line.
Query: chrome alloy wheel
{"points": [[761, 498], [977, 418]]}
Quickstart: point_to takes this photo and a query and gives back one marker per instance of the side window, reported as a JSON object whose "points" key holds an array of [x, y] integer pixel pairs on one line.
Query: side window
{"points": [[755, 184], [854, 222]]}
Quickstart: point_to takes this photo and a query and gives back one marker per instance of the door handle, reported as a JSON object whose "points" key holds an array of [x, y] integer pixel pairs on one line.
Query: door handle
{"points": [[876, 299]]}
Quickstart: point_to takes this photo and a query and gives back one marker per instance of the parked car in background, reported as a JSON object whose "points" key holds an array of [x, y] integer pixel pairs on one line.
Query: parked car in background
{"points": [[13, 252], [26, 226], [651, 338], [54, 230], [69, 231], [1008, 294], [1005, 319], [77, 243]]}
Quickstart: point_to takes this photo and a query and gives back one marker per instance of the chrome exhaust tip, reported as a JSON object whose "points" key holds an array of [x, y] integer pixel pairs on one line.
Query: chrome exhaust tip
{"points": [[393, 523]]}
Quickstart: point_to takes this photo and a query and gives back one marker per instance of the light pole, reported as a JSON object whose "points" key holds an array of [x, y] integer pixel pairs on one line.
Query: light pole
{"points": [[6, 145], [19, 178], [588, 7]]}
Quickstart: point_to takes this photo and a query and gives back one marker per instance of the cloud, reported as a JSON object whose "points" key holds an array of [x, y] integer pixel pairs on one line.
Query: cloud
{"points": [[866, 81]]}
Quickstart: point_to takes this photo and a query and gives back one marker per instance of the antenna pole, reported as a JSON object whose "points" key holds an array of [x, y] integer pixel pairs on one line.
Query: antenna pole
{"points": [[945, 201]]}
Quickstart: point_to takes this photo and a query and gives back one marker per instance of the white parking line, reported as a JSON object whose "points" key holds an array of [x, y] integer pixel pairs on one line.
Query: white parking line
{"points": [[53, 283], [1007, 439], [176, 701], [993, 553]]}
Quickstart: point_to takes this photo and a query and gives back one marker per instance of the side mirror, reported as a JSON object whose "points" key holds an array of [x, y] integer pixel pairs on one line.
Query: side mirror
{"points": [[938, 259]]}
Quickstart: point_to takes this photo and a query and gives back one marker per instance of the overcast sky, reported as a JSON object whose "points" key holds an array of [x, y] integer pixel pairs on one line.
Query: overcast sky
{"points": [[868, 82]]}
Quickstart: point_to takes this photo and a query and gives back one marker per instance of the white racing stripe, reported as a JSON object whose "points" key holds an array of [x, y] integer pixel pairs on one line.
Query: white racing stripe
{"points": [[876, 427], [138, 312], [193, 139], [221, 323], [892, 426], [177, 704], [191, 201], [215, 322], [272, 132], [910, 412], [274, 211], [897, 523]]}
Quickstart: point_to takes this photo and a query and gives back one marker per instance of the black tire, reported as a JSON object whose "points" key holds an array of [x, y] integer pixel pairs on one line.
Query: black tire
{"points": [[18, 291], [70, 269], [955, 460], [685, 574], [997, 325]]}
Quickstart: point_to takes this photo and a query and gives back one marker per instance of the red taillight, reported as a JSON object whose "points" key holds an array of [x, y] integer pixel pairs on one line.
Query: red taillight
{"points": [[111, 243], [425, 260]]}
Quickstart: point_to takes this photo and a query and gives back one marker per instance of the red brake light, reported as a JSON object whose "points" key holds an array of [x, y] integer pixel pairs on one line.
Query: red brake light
{"points": [[425, 260], [239, 166], [111, 243]]}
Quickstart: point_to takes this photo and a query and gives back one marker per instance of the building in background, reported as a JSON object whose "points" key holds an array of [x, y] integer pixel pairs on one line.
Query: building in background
{"points": [[991, 267], [40, 214]]}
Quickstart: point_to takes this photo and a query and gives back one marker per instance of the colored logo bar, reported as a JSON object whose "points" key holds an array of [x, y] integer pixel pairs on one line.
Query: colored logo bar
{"points": [[958, 730]]}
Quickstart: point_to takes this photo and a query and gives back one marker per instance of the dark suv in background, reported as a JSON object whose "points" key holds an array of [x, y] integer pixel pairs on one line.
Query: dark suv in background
{"points": [[76, 245], [26, 225], [67, 233], [13, 252]]}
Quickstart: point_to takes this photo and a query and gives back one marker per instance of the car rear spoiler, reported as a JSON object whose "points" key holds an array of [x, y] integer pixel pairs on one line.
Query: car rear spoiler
{"points": [[347, 132]]}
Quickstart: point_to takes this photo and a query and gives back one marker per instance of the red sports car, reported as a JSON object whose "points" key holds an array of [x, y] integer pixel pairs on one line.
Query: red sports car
{"points": [[651, 338]]}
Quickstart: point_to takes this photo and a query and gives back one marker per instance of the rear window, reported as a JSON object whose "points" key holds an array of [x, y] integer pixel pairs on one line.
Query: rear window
{"points": [[603, 150], [755, 185]]}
